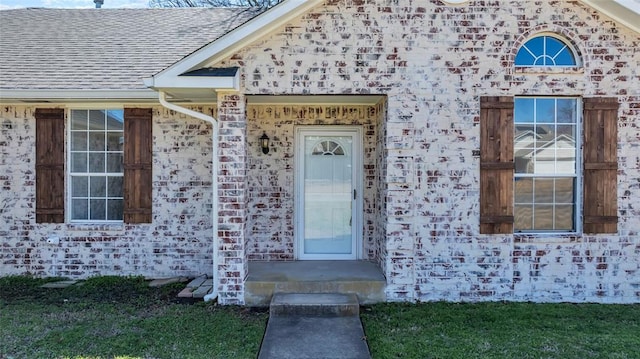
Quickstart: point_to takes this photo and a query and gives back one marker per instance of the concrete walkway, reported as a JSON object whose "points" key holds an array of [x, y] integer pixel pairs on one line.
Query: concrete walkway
{"points": [[314, 326], [289, 337]]}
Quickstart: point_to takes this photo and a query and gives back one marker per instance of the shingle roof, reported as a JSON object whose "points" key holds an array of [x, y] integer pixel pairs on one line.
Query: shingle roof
{"points": [[82, 49]]}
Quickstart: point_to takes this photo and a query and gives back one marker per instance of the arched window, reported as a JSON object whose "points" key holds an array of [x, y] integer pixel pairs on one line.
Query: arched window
{"points": [[328, 148], [545, 50]]}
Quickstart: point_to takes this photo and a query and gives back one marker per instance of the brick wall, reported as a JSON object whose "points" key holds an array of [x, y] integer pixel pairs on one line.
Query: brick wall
{"points": [[178, 242], [432, 62], [232, 189]]}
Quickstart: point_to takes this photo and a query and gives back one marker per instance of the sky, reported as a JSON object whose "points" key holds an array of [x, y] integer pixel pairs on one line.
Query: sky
{"points": [[71, 4], [11, 4]]}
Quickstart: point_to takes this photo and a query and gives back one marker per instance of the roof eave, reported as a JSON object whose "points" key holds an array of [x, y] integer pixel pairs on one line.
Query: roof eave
{"points": [[76, 95]]}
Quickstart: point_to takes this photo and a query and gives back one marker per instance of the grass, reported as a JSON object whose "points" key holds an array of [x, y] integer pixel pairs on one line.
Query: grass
{"points": [[115, 317], [122, 317], [503, 330]]}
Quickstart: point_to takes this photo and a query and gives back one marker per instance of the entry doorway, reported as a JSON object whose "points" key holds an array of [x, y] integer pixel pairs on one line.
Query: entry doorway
{"points": [[328, 192]]}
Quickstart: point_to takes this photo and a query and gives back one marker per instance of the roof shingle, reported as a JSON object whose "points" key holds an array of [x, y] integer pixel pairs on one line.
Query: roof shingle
{"points": [[103, 49]]}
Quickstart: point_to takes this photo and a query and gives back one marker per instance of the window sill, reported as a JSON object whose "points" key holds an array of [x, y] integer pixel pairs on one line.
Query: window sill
{"points": [[105, 227], [547, 237], [545, 70]]}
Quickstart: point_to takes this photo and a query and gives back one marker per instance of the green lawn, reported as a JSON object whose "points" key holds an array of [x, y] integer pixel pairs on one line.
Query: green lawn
{"points": [[109, 317], [503, 330]]}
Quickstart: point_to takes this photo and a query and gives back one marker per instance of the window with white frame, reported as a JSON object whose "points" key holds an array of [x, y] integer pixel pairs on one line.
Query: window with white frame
{"points": [[96, 165], [546, 170]]}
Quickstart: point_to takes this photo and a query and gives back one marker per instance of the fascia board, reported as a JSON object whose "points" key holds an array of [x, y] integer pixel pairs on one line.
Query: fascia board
{"points": [[233, 41], [198, 82], [617, 12], [54, 94]]}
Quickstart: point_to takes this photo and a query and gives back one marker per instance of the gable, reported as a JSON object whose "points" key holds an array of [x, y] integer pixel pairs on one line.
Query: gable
{"points": [[264, 25], [231, 42]]}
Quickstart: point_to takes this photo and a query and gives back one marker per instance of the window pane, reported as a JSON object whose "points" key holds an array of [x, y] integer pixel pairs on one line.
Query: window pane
{"points": [[565, 58], [523, 190], [114, 162], [115, 186], [523, 220], [553, 48], [565, 218], [568, 132], [79, 162], [525, 135], [98, 209], [545, 135], [565, 161], [115, 209], [78, 141], [96, 141], [98, 186], [96, 120], [78, 119], [79, 209], [523, 108], [79, 186], [96, 162], [524, 58], [115, 120], [567, 110], [536, 45], [524, 161], [543, 217], [115, 141], [543, 190], [545, 110], [565, 190]]}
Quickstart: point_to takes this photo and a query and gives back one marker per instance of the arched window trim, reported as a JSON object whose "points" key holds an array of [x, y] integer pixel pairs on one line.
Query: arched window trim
{"points": [[568, 44]]}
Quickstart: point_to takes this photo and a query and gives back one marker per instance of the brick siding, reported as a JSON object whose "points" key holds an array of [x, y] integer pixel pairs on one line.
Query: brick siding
{"points": [[431, 62]]}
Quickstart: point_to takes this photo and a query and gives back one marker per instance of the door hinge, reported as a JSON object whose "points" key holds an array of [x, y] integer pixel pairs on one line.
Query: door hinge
{"points": [[354, 194]]}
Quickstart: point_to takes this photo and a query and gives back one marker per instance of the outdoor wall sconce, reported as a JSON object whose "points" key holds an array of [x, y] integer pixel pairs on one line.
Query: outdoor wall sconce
{"points": [[264, 143]]}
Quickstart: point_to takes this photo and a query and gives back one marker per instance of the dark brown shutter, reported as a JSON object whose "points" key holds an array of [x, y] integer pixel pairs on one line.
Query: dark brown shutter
{"points": [[137, 165], [496, 165], [600, 206], [49, 165]]}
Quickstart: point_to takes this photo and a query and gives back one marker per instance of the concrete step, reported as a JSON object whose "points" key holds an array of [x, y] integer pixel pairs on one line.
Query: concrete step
{"points": [[259, 293], [314, 304], [363, 278]]}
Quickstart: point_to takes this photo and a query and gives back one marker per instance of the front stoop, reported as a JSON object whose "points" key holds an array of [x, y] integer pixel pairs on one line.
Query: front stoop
{"points": [[319, 304], [362, 278], [314, 325]]}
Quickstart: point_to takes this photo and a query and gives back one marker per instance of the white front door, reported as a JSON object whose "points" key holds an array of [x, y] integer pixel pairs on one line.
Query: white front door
{"points": [[328, 192]]}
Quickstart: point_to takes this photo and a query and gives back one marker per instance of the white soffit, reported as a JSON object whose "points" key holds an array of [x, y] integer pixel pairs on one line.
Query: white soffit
{"points": [[314, 99]]}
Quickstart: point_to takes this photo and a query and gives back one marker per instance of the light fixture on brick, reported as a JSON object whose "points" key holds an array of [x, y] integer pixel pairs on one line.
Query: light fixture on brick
{"points": [[264, 143]]}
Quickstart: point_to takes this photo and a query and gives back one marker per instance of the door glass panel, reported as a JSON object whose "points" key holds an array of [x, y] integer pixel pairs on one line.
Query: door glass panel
{"points": [[328, 194]]}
